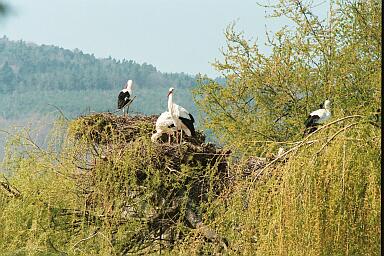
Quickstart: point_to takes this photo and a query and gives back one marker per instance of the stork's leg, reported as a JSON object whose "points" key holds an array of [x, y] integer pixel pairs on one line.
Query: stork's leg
{"points": [[123, 110], [177, 137], [181, 136]]}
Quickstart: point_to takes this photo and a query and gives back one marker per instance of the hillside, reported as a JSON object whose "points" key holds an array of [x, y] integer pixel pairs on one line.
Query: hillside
{"points": [[34, 76]]}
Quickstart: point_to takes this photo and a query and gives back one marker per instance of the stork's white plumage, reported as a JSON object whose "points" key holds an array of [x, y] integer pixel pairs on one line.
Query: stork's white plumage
{"points": [[164, 124], [319, 116], [182, 119], [124, 97]]}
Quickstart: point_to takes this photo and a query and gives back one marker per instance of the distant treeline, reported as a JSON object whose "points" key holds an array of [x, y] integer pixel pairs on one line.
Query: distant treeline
{"points": [[26, 65], [35, 77]]}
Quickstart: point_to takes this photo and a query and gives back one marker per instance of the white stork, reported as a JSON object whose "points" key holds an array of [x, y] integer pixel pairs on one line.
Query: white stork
{"points": [[124, 99], [164, 124], [182, 119], [318, 116]]}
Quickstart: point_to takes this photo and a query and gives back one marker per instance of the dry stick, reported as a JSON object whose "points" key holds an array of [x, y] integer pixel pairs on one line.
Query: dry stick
{"points": [[87, 238], [129, 103], [304, 141], [28, 139], [334, 135], [117, 110], [60, 111], [9, 188], [32, 143]]}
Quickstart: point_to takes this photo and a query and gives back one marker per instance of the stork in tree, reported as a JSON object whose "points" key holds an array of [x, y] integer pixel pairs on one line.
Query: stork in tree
{"points": [[317, 117], [124, 99], [182, 119]]}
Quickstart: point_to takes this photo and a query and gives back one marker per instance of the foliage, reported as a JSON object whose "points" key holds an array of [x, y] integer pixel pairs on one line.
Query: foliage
{"points": [[34, 76], [107, 194], [267, 98], [23, 104], [46, 67], [325, 198], [3, 9]]}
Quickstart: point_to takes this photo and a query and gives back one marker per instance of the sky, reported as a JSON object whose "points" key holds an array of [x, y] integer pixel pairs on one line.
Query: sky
{"points": [[173, 35]]}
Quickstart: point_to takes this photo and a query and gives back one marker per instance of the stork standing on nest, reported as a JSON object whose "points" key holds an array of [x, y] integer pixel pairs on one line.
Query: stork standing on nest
{"points": [[124, 98], [317, 117], [164, 124], [182, 119]]}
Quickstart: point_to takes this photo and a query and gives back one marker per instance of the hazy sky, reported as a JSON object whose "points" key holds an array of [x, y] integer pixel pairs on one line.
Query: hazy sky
{"points": [[173, 35]]}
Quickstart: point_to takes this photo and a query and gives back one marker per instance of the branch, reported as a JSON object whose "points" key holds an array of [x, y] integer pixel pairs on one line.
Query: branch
{"points": [[60, 111], [304, 142], [12, 191], [87, 238]]}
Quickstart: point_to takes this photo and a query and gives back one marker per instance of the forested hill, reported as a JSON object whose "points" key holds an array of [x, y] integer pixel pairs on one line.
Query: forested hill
{"points": [[36, 75], [50, 67]]}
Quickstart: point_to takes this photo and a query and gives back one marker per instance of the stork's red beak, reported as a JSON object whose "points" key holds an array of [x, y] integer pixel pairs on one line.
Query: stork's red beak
{"points": [[169, 93]]}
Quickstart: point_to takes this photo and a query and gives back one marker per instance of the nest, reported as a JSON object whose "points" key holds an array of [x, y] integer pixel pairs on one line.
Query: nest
{"points": [[160, 188], [130, 179], [101, 128]]}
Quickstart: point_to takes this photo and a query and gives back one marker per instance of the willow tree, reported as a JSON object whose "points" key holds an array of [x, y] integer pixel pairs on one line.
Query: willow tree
{"points": [[323, 198], [268, 97]]}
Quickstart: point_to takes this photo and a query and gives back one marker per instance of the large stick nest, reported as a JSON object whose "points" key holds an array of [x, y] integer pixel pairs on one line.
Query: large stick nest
{"points": [[101, 128], [154, 186]]}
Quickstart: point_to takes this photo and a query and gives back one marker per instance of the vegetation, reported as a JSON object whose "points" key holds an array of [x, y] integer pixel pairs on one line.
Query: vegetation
{"points": [[102, 187], [32, 77], [3, 9], [325, 200], [267, 97], [109, 182]]}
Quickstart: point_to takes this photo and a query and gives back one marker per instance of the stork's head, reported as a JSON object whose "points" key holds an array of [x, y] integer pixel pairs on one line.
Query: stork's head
{"points": [[170, 90], [327, 104]]}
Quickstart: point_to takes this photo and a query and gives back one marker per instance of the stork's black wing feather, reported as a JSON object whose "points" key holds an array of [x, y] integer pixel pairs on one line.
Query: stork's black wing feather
{"points": [[192, 119], [189, 124], [309, 130], [311, 121], [122, 99]]}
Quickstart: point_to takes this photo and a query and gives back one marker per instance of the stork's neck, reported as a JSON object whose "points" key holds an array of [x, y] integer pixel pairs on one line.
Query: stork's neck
{"points": [[170, 103], [129, 88], [327, 106]]}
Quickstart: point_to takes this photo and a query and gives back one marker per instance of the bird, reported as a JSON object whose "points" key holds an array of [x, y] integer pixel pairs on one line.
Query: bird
{"points": [[317, 117], [182, 119], [124, 99], [164, 124]]}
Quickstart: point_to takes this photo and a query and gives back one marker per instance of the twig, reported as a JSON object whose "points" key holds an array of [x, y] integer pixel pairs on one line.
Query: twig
{"points": [[334, 135], [304, 141], [9, 188], [87, 238], [58, 109]]}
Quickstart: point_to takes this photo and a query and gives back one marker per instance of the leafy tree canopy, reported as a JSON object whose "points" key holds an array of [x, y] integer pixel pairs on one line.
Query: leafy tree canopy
{"points": [[267, 98]]}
